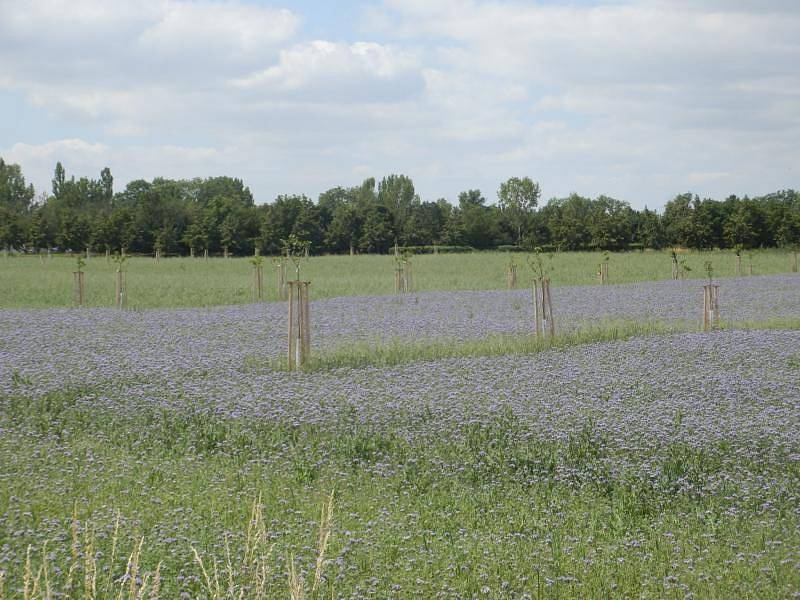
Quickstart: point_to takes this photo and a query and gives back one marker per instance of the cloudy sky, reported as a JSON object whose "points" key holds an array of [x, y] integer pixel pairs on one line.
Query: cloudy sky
{"points": [[640, 100]]}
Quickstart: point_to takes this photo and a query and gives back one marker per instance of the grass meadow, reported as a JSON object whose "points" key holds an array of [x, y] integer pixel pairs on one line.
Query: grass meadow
{"points": [[433, 448], [32, 282]]}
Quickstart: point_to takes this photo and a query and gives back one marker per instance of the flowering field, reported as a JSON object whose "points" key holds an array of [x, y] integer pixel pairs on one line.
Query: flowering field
{"points": [[664, 465]]}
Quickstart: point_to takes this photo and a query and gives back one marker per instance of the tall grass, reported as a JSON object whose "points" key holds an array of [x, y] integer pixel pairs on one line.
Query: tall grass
{"points": [[26, 281], [221, 578]]}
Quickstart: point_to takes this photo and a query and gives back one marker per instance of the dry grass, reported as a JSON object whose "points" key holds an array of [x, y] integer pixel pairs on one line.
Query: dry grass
{"points": [[221, 578]]}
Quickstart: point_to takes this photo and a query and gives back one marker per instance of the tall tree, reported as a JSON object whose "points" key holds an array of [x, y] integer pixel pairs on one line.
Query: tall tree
{"points": [[518, 197]]}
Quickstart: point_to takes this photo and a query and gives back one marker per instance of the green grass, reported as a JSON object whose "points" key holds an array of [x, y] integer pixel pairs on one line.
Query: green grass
{"points": [[394, 352], [26, 281]]}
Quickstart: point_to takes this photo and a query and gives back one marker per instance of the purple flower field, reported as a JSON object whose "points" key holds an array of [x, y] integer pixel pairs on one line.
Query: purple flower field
{"points": [[60, 346], [690, 437]]}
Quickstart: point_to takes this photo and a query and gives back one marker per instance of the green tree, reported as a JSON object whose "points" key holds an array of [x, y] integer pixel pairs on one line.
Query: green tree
{"points": [[518, 198]]}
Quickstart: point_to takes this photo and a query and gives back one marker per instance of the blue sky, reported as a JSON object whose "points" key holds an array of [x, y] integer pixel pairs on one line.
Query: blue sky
{"points": [[640, 100]]}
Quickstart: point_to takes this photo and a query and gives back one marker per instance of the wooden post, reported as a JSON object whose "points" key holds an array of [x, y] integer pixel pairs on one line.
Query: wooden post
{"points": [[794, 261], [749, 269], [352, 250], [710, 306], [78, 278], [738, 265], [191, 251], [407, 277], [281, 271], [299, 329], [256, 251], [435, 249], [549, 311], [543, 308], [87, 253], [205, 254], [258, 284], [120, 293], [158, 255], [511, 276], [398, 279], [123, 251], [602, 272], [108, 254], [675, 272], [225, 252]]}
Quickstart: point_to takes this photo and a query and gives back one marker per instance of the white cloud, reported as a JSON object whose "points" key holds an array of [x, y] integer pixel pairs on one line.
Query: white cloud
{"points": [[231, 28], [630, 98], [358, 71]]}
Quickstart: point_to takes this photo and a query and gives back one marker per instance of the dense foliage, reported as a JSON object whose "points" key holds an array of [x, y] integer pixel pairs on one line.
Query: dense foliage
{"points": [[219, 214]]}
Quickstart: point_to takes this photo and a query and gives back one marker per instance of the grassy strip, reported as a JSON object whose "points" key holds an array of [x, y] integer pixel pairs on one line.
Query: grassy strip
{"points": [[398, 351], [29, 282]]}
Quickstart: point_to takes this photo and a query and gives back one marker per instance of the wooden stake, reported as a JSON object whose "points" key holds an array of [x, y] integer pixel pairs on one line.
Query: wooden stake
{"points": [[543, 308], [675, 272], [738, 266], [511, 276], [299, 329], [794, 261], [602, 272], [78, 278], [550, 321], [281, 271], [87, 253], [710, 306], [291, 356], [205, 254], [120, 293], [749, 269], [258, 285]]}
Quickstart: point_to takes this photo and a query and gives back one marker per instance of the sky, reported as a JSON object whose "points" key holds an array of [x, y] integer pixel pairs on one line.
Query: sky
{"points": [[636, 99]]}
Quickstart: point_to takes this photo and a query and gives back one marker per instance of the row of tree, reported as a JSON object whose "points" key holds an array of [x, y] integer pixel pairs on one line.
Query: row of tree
{"points": [[219, 214]]}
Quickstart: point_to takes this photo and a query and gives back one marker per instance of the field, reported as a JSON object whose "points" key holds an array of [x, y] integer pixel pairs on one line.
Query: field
{"points": [[28, 282], [432, 448]]}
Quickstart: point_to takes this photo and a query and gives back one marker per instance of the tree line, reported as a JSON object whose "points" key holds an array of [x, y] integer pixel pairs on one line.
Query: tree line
{"points": [[219, 215]]}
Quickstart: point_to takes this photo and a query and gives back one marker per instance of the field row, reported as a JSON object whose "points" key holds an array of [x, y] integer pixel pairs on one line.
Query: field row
{"points": [[27, 282], [87, 347]]}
